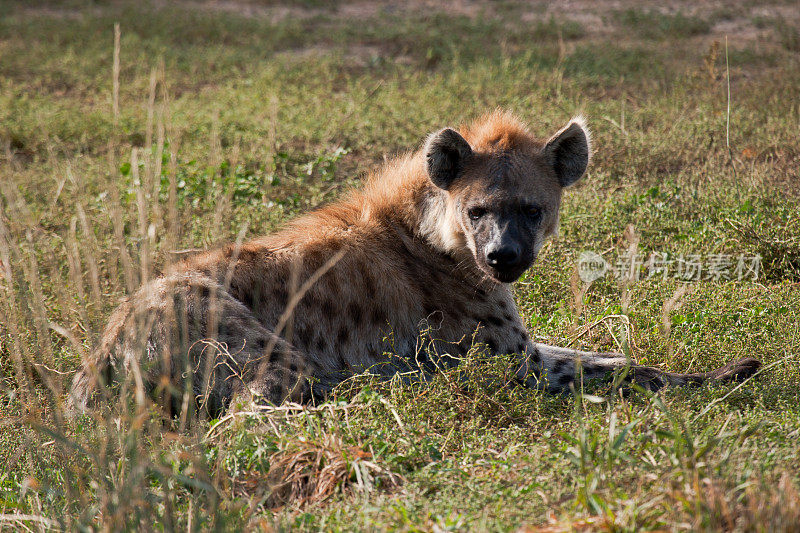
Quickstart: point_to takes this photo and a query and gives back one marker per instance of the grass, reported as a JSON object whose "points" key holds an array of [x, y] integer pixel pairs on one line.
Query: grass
{"points": [[232, 120], [652, 24]]}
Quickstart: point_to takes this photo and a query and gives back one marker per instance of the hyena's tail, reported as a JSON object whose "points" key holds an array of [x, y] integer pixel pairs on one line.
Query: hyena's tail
{"points": [[96, 372], [84, 390]]}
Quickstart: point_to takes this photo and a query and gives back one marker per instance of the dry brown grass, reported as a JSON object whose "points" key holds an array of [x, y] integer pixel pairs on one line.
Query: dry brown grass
{"points": [[763, 506], [307, 472]]}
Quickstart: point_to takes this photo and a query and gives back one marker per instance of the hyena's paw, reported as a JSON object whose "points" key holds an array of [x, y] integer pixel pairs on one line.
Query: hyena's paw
{"points": [[736, 371]]}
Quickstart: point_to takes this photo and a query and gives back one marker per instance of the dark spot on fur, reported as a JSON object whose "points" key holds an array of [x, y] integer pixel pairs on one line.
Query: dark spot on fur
{"points": [[378, 316], [332, 281], [280, 294], [327, 308], [248, 255], [313, 260], [508, 317], [565, 379], [459, 308], [521, 348], [250, 299], [344, 335], [354, 310], [262, 343], [492, 344], [366, 278], [431, 308], [303, 335], [504, 306], [293, 367], [495, 321], [322, 344], [593, 371], [558, 367], [276, 393], [226, 329], [203, 291], [411, 267]]}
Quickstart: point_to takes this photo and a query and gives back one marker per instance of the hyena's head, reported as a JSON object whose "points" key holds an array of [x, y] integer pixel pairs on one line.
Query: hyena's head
{"points": [[503, 188]]}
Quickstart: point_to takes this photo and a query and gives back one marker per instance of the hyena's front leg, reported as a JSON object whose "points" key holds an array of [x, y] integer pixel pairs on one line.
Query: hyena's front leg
{"points": [[556, 368]]}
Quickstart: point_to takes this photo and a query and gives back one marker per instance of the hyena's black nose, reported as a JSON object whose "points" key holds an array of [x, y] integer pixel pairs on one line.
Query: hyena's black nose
{"points": [[503, 257]]}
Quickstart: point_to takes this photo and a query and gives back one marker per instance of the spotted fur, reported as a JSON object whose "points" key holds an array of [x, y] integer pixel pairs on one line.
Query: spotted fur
{"points": [[430, 243]]}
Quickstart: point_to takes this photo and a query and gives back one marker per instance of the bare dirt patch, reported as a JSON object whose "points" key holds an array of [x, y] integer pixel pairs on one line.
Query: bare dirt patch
{"points": [[739, 19]]}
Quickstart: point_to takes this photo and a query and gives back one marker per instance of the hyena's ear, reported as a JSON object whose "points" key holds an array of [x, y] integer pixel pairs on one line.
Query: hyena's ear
{"points": [[569, 151], [446, 152]]}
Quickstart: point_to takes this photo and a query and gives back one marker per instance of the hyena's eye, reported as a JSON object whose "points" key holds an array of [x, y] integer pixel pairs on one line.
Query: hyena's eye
{"points": [[475, 213], [533, 211]]}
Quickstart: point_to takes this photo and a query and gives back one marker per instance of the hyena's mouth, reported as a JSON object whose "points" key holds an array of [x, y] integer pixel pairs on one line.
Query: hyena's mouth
{"points": [[505, 275]]}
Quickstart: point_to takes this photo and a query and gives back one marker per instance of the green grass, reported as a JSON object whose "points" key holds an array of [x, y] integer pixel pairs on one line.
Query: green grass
{"points": [[652, 24], [263, 114]]}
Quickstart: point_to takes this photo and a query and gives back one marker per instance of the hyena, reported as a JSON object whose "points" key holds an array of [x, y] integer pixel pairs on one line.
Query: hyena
{"points": [[434, 238]]}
